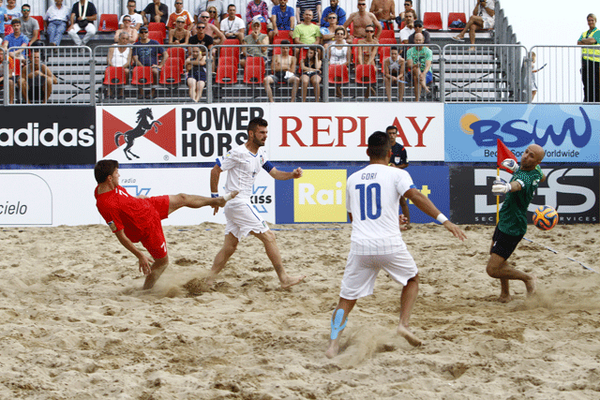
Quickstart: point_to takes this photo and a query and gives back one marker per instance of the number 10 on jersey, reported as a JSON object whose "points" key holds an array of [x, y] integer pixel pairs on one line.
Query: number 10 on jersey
{"points": [[370, 201]]}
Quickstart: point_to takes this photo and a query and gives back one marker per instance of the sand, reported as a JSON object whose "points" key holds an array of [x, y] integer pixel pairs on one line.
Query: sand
{"points": [[75, 324]]}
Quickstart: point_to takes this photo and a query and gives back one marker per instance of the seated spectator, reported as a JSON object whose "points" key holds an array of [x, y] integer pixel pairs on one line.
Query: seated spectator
{"points": [[12, 11], [258, 9], [407, 10], [83, 15], [329, 32], [37, 80], [337, 10], [136, 18], [307, 32], [313, 5], [393, 71], [179, 35], [385, 12], [15, 39], [283, 67], [233, 27], [311, 73], [195, 65], [214, 19], [202, 38], [366, 55], [418, 63], [156, 12], [418, 24], [56, 20], [339, 53], [120, 57], [483, 18], [3, 16], [29, 26], [255, 38], [211, 30], [145, 56], [282, 18], [409, 28], [180, 13], [10, 78], [204, 5], [360, 19], [132, 34]]}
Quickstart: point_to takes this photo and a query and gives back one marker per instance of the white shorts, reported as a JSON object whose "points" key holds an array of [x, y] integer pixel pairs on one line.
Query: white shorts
{"points": [[361, 271], [488, 23], [242, 219]]}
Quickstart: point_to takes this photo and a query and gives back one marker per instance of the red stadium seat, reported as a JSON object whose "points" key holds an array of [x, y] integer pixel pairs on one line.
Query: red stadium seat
{"points": [[108, 23], [338, 74], [176, 52], [156, 35], [114, 76], [432, 21], [387, 34], [142, 76], [366, 74], [282, 35], [157, 26], [175, 62], [226, 74], [388, 41], [254, 73], [170, 75], [456, 17], [40, 21]]}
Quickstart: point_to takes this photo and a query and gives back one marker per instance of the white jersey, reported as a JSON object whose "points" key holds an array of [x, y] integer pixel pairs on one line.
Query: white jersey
{"points": [[242, 166], [373, 197]]}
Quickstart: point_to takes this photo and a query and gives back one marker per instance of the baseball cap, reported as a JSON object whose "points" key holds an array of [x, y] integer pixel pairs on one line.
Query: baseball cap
{"points": [[143, 29], [418, 23]]}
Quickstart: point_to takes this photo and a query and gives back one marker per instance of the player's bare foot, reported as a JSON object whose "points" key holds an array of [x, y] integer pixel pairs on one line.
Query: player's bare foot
{"points": [[334, 348], [531, 285], [291, 281], [505, 298], [153, 277], [408, 335]]}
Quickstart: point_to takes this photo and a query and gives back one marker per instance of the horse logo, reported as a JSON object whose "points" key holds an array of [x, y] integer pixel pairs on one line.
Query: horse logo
{"points": [[145, 124]]}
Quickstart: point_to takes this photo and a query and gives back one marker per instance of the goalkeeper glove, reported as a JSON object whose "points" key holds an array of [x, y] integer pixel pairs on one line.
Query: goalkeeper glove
{"points": [[510, 164], [501, 186]]}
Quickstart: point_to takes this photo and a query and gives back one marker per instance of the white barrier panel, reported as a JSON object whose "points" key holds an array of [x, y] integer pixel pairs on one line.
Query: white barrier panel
{"points": [[311, 132], [66, 196]]}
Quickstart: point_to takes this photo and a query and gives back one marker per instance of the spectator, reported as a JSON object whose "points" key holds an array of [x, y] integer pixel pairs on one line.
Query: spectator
{"points": [[15, 39], [312, 5], [29, 26], [361, 19], [156, 12], [533, 77], [483, 18], [307, 32], [393, 71], [57, 20], [180, 13], [407, 10], [337, 10], [12, 11], [37, 80], [367, 55], [384, 11], [418, 24], [255, 37], [418, 62], [201, 37], [3, 16], [214, 18], [179, 35], [329, 31], [120, 57], [311, 73], [283, 66], [132, 34], [211, 30], [282, 18], [233, 27], [136, 18], [339, 54], [83, 15], [409, 28], [205, 5], [10, 78], [195, 65], [146, 56], [257, 9], [590, 61]]}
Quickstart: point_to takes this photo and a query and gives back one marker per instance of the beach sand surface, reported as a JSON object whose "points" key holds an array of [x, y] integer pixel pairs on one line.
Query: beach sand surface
{"points": [[76, 324]]}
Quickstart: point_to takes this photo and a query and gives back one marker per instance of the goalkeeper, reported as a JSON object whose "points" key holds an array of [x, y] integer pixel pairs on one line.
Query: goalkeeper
{"points": [[513, 218]]}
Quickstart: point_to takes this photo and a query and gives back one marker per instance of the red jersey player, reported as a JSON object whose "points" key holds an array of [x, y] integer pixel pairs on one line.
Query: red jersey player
{"points": [[137, 219]]}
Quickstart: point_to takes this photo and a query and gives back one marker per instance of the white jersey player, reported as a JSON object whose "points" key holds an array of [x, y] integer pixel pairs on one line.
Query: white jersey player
{"points": [[243, 164], [372, 200]]}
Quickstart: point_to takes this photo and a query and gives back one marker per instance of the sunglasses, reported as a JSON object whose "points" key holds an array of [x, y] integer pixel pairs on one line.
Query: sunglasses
{"points": [[25, 9], [178, 4], [213, 12], [331, 17], [201, 27], [204, 16], [126, 20], [370, 31], [362, 4]]}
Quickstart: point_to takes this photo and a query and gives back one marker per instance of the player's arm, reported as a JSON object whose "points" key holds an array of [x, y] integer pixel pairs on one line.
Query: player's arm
{"points": [[425, 205], [144, 260], [215, 173], [284, 176]]}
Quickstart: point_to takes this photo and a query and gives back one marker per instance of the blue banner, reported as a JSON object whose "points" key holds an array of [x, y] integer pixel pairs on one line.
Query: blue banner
{"points": [[568, 133]]}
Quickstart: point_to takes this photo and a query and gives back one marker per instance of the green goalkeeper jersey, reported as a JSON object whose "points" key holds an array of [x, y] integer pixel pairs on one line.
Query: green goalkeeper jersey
{"points": [[513, 214]]}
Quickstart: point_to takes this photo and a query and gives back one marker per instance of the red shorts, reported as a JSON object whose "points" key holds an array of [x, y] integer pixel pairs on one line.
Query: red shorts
{"points": [[154, 238]]}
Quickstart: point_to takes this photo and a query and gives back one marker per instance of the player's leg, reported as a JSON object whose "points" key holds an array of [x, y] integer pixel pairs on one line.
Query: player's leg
{"points": [[270, 243], [338, 323], [497, 267], [158, 267], [229, 246], [407, 301], [177, 201], [156, 245]]}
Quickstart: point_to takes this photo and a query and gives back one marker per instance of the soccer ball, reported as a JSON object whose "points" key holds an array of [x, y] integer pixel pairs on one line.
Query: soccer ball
{"points": [[545, 218]]}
